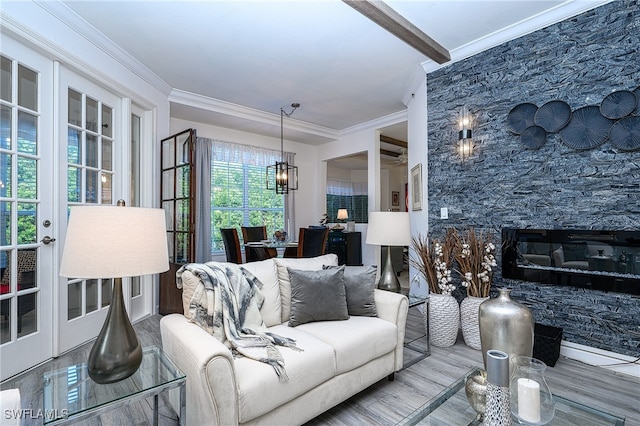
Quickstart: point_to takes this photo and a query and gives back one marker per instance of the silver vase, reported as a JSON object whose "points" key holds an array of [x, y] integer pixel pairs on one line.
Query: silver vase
{"points": [[476, 389], [505, 325]]}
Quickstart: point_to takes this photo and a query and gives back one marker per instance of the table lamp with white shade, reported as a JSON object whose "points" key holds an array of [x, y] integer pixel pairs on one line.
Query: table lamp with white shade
{"points": [[104, 242], [342, 215], [389, 229]]}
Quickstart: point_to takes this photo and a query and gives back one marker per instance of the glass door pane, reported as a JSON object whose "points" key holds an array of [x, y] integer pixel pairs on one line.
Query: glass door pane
{"points": [[26, 164], [89, 135]]}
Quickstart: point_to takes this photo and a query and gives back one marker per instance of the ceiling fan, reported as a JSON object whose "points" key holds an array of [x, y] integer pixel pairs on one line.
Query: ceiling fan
{"points": [[403, 157]]}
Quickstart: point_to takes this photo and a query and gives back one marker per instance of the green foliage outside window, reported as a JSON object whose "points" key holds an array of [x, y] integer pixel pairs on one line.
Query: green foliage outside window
{"points": [[239, 197]]}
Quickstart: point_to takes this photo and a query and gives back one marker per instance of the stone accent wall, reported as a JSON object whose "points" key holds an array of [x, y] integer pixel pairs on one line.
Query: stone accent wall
{"points": [[579, 61]]}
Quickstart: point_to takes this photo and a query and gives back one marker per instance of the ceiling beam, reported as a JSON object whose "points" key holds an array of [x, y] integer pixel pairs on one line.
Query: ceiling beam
{"points": [[392, 141], [389, 153], [383, 15]]}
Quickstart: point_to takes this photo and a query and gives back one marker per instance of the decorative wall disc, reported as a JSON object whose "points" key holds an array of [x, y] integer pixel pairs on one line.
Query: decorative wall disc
{"points": [[533, 137], [637, 93], [587, 128], [625, 134], [618, 104], [521, 117], [553, 116]]}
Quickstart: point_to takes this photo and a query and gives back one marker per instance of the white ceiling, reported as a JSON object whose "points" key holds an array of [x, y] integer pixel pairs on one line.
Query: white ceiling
{"points": [[235, 63]]}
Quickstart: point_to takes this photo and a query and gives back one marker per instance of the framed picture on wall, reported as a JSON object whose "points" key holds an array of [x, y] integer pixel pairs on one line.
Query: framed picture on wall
{"points": [[416, 187], [395, 198]]}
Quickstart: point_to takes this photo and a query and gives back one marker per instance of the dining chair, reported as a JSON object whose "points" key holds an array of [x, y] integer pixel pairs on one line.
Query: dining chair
{"points": [[252, 234], [312, 242], [231, 244]]}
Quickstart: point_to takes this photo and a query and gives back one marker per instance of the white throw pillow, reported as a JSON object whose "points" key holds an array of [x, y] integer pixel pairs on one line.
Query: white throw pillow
{"points": [[266, 272], [301, 264], [189, 284]]}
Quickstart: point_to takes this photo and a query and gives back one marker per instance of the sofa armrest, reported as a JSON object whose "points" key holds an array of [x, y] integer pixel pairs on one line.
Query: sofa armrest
{"points": [[393, 307], [208, 364]]}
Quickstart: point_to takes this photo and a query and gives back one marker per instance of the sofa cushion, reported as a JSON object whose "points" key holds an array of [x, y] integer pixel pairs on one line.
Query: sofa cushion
{"points": [[360, 285], [302, 264], [266, 272], [317, 296], [260, 391], [355, 341]]}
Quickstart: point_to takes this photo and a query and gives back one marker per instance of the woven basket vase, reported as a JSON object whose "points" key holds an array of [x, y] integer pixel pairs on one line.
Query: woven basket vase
{"points": [[469, 308], [444, 320]]}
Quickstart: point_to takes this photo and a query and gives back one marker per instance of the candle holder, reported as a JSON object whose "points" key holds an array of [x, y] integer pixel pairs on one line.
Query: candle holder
{"points": [[531, 400]]}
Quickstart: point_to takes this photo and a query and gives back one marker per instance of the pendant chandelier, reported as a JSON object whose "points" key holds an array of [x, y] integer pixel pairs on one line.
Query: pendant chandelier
{"points": [[283, 177]]}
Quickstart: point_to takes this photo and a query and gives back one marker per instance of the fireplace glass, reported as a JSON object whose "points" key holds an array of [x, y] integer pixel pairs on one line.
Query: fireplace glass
{"points": [[600, 259]]}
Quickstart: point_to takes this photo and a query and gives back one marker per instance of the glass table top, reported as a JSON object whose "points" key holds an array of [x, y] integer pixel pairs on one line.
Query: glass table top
{"points": [[70, 391], [416, 299], [451, 408]]}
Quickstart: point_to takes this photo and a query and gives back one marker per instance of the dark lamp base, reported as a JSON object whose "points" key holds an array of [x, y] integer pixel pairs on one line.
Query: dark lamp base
{"points": [[116, 353]]}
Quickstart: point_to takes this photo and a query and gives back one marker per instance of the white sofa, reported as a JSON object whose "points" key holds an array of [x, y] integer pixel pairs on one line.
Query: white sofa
{"points": [[339, 358]]}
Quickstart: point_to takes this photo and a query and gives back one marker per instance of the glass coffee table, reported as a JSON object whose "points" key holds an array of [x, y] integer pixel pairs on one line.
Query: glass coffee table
{"points": [[451, 408], [70, 395]]}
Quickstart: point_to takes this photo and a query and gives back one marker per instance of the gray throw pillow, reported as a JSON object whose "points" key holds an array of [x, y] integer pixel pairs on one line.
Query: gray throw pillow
{"points": [[360, 283], [317, 296]]}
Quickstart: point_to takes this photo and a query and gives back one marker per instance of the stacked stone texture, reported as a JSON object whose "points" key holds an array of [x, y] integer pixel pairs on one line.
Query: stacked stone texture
{"points": [[579, 61]]}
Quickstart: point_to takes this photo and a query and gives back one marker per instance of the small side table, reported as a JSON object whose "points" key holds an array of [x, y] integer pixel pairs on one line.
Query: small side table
{"points": [[415, 300], [70, 395]]}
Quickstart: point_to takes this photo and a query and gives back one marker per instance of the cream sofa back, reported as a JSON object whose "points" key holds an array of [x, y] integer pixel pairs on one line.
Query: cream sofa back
{"points": [[276, 286]]}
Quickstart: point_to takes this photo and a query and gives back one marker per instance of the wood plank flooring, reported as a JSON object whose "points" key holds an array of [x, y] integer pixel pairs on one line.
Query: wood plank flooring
{"points": [[384, 403]]}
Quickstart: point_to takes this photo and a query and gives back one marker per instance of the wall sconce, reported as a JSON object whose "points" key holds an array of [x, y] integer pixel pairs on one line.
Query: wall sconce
{"points": [[465, 140]]}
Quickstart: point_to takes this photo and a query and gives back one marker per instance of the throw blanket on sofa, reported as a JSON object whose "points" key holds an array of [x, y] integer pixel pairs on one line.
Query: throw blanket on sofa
{"points": [[232, 312]]}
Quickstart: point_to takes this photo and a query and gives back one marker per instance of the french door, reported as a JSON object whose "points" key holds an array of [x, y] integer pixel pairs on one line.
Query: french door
{"points": [[64, 141], [91, 143], [28, 223]]}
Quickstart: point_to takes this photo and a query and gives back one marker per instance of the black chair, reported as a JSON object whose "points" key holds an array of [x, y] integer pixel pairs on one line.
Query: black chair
{"points": [[252, 234], [231, 244], [312, 242]]}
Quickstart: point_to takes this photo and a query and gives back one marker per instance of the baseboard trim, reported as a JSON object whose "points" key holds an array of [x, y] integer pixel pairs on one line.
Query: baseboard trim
{"points": [[593, 356]]}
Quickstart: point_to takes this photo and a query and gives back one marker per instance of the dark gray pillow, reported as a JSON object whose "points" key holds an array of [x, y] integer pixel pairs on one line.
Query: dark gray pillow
{"points": [[360, 283], [317, 296]]}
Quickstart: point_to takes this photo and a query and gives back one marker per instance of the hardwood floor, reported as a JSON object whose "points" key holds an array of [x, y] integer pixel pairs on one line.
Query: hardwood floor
{"points": [[384, 403]]}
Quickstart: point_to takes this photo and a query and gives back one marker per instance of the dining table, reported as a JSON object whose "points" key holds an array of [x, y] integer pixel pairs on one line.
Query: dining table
{"points": [[272, 248]]}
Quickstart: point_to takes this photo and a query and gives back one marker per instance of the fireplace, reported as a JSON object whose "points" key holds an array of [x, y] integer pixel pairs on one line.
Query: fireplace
{"points": [[594, 259]]}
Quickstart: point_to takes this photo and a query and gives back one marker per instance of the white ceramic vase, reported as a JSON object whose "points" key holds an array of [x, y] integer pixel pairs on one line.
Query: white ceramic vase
{"points": [[469, 309], [444, 319]]}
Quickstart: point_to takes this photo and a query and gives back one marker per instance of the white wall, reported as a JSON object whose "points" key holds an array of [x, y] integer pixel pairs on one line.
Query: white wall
{"points": [[417, 135]]}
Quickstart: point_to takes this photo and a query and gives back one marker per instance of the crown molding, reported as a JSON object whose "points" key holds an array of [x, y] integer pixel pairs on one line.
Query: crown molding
{"points": [[71, 19], [534, 23], [252, 114], [378, 123]]}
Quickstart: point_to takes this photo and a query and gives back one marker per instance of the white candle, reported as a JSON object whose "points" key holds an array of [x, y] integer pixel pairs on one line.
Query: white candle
{"points": [[529, 400]]}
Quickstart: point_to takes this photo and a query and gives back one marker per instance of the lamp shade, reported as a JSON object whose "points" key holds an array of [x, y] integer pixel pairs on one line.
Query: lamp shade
{"points": [[112, 242], [389, 229], [343, 214]]}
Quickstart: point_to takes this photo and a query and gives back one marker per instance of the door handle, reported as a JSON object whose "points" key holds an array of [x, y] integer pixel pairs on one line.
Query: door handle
{"points": [[47, 240]]}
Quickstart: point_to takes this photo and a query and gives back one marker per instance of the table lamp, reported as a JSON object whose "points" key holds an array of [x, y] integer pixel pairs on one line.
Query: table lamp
{"points": [[342, 215], [389, 229], [104, 242]]}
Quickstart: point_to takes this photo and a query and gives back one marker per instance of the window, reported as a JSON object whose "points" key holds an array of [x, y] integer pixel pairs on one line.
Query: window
{"points": [[239, 195], [348, 195]]}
